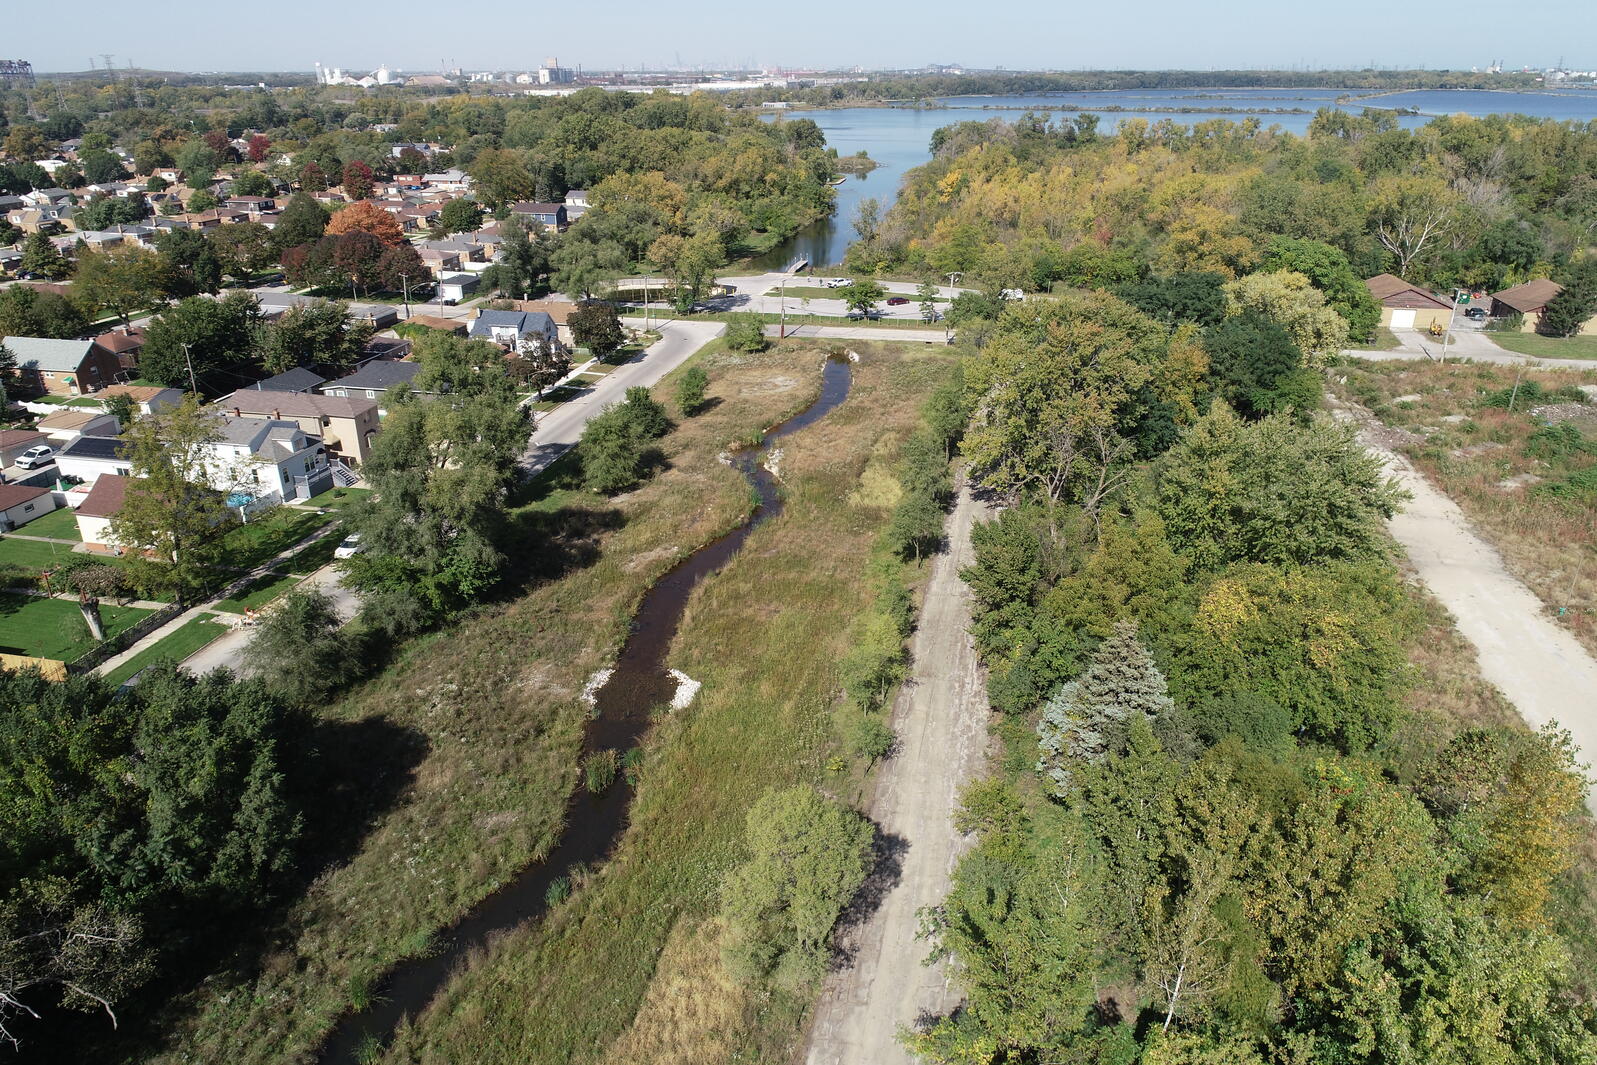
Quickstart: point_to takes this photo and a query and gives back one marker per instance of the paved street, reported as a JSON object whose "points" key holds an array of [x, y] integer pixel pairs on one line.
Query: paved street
{"points": [[228, 649], [752, 289], [562, 427], [1464, 343]]}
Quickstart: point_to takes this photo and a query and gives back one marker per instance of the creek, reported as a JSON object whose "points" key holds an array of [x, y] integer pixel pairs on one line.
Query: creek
{"points": [[622, 710]]}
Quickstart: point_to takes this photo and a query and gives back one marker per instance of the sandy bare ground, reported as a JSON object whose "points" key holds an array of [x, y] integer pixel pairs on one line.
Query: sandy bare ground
{"points": [[941, 720], [1536, 664]]}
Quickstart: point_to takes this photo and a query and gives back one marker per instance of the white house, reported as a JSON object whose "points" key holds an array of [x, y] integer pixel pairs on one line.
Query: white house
{"points": [[88, 458], [20, 504], [94, 514], [267, 459]]}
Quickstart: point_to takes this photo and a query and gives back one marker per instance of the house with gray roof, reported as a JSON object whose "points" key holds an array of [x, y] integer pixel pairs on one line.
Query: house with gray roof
{"points": [[297, 379], [266, 460], [62, 367], [511, 329], [374, 380]]}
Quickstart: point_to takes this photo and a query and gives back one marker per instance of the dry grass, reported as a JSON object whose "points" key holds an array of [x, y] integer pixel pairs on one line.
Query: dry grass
{"points": [[1477, 455], [483, 723], [764, 636], [691, 1007]]}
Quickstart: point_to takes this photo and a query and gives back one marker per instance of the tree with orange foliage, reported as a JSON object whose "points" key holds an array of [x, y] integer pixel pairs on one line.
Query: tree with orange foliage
{"points": [[368, 219]]}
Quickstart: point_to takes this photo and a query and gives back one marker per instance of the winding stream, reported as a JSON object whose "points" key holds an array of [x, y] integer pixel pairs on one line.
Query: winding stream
{"points": [[594, 823]]}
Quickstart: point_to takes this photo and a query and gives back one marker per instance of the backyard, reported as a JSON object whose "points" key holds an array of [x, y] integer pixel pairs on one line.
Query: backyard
{"points": [[54, 628]]}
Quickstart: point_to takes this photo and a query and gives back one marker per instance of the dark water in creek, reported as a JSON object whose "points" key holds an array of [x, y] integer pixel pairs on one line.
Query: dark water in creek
{"points": [[594, 823]]}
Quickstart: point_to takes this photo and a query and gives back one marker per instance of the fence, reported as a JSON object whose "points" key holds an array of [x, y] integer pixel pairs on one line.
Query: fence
{"points": [[51, 669], [123, 640]]}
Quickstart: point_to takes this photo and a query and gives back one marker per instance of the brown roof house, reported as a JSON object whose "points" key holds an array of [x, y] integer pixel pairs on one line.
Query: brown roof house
{"points": [[147, 399], [21, 503], [1530, 300], [125, 344], [63, 367], [69, 423], [94, 514], [346, 424], [1405, 305]]}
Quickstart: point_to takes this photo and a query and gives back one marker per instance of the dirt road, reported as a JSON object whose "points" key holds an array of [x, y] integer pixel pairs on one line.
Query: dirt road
{"points": [[1537, 665], [941, 720]]}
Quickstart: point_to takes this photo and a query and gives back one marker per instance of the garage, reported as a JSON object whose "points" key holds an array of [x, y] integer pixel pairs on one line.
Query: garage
{"points": [[1402, 318], [1405, 305]]}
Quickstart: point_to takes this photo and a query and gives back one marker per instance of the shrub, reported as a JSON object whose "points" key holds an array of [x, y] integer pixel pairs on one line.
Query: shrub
{"points": [[691, 387], [871, 737], [746, 332]]}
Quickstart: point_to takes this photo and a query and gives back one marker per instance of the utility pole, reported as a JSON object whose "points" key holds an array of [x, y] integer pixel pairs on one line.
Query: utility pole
{"points": [[781, 330], [189, 362], [405, 280]]}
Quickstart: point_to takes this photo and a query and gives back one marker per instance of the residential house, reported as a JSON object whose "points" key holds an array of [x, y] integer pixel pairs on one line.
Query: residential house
{"points": [[383, 346], [464, 250], [88, 458], [439, 262], [453, 326], [345, 425], [20, 504], [510, 329], [62, 367], [452, 288], [1408, 306], [125, 343], [69, 423], [94, 514], [558, 310], [1531, 300], [252, 205], [451, 180], [545, 214], [380, 315], [374, 380], [297, 379], [576, 204], [267, 459], [13, 442], [147, 399]]}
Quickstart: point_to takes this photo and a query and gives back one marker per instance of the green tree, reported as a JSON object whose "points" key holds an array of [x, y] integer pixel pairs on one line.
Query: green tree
{"points": [[104, 212], [746, 333], [316, 333], [40, 258], [1569, 311], [442, 469], [808, 856], [611, 451], [691, 387], [243, 248], [1190, 297], [927, 296], [861, 297], [252, 183], [92, 581], [205, 333], [190, 264], [299, 649], [525, 259], [583, 268], [123, 407], [121, 279], [460, 216], [100, 166], [28, 312], [201, 200], [1089, 719], [1255, 367], [597, 327], [303, 221], [1328, 270], [1290, 301], [175, 512], [1272, 491]]}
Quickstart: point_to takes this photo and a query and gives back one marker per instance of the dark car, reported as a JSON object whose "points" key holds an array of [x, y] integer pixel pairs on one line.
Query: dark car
{"points": [[896, 301], [1476, 314]]}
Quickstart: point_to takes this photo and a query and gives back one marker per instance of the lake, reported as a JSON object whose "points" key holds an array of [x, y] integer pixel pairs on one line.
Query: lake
{"points": [[899, 138]]}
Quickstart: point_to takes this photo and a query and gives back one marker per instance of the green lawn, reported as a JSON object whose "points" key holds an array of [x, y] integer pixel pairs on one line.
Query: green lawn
{"points": [[1540, 347], [809, 292], [1385, 340], [260, 591], [313, 557], [61, 524], [31, 556], [339, 497], [54, 628], [178, 645], [258, 541]]}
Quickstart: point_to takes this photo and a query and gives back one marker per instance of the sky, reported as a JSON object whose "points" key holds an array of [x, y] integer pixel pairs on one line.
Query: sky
{"points": [[422, 36]]}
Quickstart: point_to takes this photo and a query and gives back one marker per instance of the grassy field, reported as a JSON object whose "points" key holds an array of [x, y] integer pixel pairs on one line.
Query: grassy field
{"points": [[334, 498], [764, 636], [60, 524], [1385, 340], [1518, 494], [259, 592], [54, 628], [30, 556], [313, 556], [1578, 347], [463, 751], [260, 540], [178, 645]]}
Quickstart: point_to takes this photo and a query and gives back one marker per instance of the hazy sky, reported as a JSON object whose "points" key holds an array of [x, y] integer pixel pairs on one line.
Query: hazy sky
{"points": [[499, 34]]}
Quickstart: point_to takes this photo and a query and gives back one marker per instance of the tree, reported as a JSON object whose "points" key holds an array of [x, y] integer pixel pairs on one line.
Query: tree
{"points": [[583, 268], [357, 180], [1257, 368], [524, 260], [25, 143], [201, 200], [611, 451], [1329, 271], [691, 387], [1569, 311], [809, 855], [312, 178], [259, 145], [303, 221], [92, 581], [316, 333], [1088, 719], [746, 333], [175, 509], [104, 212], [597, 327], [120, 279], [1047, 394], [1290, 301], [202, 334], [28, 312], [1274, 492], [243, 248], [1189, 297], [867, 218], [1413, 215], [150, 156], [861, 297], [299, 649], [367, 218], [100, 166], [647, 416], [501, 178], [252, 183], [442, 468], [690, 263], [39, 257], [123, 407], [927, 295], [539, 362], [190, 264], [460, 216]]}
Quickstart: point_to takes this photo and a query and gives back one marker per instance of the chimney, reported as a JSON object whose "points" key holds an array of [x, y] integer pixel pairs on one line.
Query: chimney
{"points": [[277, 415], [237, 413]]}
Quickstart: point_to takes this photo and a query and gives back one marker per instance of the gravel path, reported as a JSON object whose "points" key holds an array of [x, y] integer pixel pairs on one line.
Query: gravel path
{"points": [[941, 720]]}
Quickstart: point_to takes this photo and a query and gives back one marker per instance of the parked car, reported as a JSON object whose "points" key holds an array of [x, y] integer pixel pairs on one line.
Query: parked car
{"points": [[349, 547], [834, 282], [1476, 314], [897, 301], [35, 457]]}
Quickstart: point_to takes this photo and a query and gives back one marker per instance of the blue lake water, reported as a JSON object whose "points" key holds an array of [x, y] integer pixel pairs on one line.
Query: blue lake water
{"points": [[899, 138]]}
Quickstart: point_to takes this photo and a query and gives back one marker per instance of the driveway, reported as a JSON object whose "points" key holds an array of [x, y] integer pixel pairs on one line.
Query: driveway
{"points": [[228, 648], [1469, 342], [562, 427]]}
